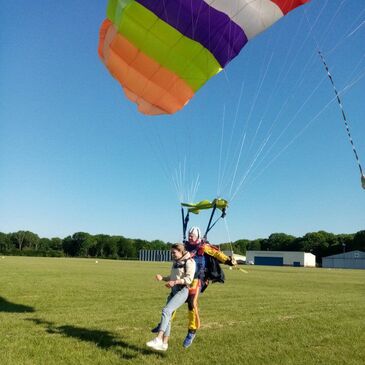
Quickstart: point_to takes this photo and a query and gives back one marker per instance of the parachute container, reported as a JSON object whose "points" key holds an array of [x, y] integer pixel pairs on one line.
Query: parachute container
{"points": [[163, 51]]}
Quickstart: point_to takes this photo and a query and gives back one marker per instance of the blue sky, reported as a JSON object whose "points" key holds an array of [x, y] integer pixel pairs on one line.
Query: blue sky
{"points": [[75, 155]]}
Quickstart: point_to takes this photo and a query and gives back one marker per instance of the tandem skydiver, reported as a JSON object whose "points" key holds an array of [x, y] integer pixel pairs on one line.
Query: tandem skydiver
{"points": [[202, 252]]}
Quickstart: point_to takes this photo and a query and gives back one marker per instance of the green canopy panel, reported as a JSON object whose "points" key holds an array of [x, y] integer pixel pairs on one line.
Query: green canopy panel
{"points": [[205, 204]]}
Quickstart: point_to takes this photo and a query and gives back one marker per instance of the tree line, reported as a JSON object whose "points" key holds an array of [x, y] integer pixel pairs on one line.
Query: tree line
{"points": [[320, 244], [83, 244], [79, 244]]}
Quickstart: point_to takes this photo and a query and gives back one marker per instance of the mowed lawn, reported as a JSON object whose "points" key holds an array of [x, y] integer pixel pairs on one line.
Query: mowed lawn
{"points": [[77, 311]]}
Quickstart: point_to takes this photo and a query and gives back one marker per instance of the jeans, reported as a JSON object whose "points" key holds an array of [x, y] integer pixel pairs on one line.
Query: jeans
{"points": [[175, 300]]}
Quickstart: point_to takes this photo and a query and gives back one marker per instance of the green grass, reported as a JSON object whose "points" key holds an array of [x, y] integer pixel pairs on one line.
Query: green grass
{"points": [[74, 311]]}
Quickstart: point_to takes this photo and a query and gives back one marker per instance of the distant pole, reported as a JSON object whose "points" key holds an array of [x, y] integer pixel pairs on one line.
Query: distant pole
{"points": [[344, 247]]}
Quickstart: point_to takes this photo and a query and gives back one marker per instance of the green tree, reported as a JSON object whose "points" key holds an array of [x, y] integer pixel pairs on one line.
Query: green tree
{"points": [[127, 248], [56, 244], [23, 239], [5, 242], [254, 245], [317, 243], [280, 242], [359, 241], [158, 245], [74, 245], [44, 244]]}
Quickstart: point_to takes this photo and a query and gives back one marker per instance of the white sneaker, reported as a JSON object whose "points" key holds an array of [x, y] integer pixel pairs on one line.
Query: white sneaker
{"points": [[157, 344], [154, 342]]}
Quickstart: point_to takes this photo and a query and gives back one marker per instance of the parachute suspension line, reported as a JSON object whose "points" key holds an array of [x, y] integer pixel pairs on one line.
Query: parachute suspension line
{"points": [[356, 29], [159, 152], [300, 80], [279, 77], [354, 71], [350, 32], [229, 237], [258, 127], [238, 161], [193, 189], [362, 177], [352, 83], [175, 179], [344, 118], [269, 133], [183, 178], [228, 150], [250, 168], [306, 127], [244, 132], [220, 177], [326, 31]]}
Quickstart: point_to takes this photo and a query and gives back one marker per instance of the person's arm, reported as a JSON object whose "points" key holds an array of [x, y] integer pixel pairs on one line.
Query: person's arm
{"points": [[219, 255], [190, 267], [159, 277]]}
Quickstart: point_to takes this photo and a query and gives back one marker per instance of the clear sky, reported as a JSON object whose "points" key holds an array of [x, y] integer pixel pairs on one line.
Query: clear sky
{"points": [[75, 155]]}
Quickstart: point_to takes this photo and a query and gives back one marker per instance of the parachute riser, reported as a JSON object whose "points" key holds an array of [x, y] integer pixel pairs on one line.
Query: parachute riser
{"points": [[185, 221], [210, 226]]}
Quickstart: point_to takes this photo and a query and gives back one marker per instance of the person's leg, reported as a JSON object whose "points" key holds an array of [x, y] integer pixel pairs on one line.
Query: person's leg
{"points": [[193, 313], [161, 341], [156, 329], [174, 303]]}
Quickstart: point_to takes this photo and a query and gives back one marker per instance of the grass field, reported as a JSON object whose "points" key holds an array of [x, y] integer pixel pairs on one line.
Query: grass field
{"points": [[77, 311]]}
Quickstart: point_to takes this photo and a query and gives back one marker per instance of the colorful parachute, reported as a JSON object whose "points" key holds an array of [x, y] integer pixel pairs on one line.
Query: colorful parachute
{"points": [[163, 51]]}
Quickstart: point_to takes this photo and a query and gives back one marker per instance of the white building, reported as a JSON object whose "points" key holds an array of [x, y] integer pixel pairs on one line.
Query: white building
{"points": [[347, 260], [239, 258], [281, 258]]}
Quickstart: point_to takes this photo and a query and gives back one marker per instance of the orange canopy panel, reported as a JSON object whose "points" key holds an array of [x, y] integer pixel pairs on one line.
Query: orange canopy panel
{"points": [[154, 88]]}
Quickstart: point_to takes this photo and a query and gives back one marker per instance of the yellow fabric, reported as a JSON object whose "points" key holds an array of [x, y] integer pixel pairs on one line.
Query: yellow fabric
{"points": [[193, 313], [219, 255]]}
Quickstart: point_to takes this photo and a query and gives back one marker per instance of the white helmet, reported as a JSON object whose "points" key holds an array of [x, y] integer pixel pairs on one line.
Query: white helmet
{"points": [[195, 231]]}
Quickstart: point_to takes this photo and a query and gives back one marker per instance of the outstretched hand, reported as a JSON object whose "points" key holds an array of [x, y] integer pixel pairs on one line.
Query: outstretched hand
{"points": [[170, 284], [158, 277]]}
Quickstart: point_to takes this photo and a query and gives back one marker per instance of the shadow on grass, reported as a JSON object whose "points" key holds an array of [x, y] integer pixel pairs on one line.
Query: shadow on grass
{"points": [[102, 339], [9, 307]]}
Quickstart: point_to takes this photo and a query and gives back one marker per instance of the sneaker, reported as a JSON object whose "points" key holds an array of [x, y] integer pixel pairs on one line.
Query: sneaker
{"points": [[157, 344], [189, 339], [156, 329], [154, 342]]}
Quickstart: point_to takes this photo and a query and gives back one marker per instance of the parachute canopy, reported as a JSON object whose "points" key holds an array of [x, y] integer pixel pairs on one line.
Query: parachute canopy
{"points": [[163, 51], [205, 204]]}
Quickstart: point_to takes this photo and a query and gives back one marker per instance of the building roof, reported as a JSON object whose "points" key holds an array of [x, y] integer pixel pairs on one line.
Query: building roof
{"points": [[279, 252], [348, 255]]}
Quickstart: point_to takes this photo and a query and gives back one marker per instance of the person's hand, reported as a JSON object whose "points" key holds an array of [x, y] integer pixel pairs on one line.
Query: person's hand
{"points": [[170, 284], [158, 277], [231, 261]]}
